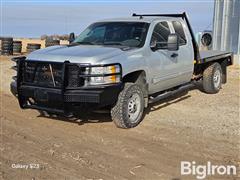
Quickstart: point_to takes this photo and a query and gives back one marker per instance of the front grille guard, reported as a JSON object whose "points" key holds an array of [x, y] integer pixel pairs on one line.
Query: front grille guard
{"points": [[42, 74], [22, 100]]}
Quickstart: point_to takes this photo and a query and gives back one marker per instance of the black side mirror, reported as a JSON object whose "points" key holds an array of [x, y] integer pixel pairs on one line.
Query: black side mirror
{"points": [[71, 37], [173, 42]]}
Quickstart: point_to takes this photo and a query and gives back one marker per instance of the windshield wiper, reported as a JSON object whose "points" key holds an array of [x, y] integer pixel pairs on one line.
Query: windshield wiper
{"points": [[80, 43], [112, 43], [85, 42]]}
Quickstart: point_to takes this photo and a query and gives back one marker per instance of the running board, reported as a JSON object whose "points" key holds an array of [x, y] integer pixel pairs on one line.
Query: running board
{"points": [[169, 93]]}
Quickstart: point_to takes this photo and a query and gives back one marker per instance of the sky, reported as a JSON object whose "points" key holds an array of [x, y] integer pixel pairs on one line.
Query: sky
{"points": [[33, 18]]}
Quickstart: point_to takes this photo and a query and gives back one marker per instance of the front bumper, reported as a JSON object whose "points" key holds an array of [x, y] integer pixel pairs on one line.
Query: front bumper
{"points": [[62, 98], [54, 100]]}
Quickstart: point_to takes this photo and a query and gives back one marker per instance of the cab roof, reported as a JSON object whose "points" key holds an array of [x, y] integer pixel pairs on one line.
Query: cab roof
{"points": [[139, 19]]}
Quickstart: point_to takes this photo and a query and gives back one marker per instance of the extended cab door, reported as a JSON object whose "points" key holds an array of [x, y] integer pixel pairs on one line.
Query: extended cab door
{"points": [[169, 68], [185, 53]]}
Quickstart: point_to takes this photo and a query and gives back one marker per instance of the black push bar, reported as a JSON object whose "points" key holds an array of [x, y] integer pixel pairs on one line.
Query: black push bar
{"points": [[24, 103]]}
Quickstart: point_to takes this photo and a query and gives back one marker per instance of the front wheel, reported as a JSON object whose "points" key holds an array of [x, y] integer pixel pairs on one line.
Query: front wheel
{"points": [[212, 78], [128, 111]]}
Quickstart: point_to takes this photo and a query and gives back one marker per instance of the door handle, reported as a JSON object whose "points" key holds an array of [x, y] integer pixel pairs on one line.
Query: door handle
{"points": [[174, 55]]}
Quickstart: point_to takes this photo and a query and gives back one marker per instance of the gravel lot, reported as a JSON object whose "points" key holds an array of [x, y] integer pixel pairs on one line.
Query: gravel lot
{"points": [[191, 126]]}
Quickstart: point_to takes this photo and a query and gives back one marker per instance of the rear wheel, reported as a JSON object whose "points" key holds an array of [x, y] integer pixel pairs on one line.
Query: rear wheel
{"points": [[212, 78], [128, 111]]}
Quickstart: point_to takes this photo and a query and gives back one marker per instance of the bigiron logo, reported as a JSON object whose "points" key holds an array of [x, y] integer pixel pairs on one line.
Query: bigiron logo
{"points": [[202, 171]]}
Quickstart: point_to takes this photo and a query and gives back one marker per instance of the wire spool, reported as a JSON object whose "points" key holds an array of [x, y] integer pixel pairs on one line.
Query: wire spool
{"points": [[206, 40], [17, 47], [51, 42], [32, 47], [6, 46]]}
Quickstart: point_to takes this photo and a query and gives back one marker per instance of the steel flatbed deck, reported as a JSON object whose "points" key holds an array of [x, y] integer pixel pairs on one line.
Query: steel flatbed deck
{"points": [[207, 56]]}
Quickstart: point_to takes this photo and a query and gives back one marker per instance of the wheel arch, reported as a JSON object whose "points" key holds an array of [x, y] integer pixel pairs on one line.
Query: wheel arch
{"points": [[224, 62], [138, 77]]}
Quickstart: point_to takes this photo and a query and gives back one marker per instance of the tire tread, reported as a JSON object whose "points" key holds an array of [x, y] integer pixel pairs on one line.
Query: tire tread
{"points": [[117, 112]]}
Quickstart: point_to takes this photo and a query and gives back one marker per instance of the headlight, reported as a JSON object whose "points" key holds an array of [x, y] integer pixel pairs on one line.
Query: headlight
{"points": [[105, 75]]}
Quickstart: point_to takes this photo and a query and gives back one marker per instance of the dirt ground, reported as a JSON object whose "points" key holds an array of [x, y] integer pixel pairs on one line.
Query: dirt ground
{"points": [[189, 127]]}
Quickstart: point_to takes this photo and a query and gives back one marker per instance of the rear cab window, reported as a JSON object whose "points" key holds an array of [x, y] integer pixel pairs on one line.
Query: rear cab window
{"points": [[178, 28]]}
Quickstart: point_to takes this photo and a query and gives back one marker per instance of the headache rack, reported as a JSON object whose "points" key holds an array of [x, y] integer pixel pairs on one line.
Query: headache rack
{"points": [[185, 18]]}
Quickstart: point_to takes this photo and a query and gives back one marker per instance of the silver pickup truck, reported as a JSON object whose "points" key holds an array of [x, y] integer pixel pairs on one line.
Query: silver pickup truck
{"points": [[123, 64]]}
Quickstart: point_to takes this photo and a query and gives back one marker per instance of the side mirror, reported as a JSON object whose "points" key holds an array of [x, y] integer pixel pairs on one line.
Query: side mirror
{"points": [[153, 45], [173, 42], [71, 37]]}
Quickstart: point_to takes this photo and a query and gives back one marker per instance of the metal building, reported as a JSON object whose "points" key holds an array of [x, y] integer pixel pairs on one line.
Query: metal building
{"points": [[226, 26]]}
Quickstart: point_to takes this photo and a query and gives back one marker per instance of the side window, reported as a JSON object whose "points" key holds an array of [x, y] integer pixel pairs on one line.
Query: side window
{"points": [[180, 32], [160, 35]]}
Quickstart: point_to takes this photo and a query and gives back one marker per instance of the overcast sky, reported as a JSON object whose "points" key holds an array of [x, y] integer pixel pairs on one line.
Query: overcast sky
{"points": [[29, 18]]}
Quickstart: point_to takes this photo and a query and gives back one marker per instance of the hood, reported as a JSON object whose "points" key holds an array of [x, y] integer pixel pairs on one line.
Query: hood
{"points": [[75, 54]]}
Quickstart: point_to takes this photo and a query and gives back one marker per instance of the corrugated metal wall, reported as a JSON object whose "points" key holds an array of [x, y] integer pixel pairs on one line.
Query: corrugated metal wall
{"points": [[226, 26]]}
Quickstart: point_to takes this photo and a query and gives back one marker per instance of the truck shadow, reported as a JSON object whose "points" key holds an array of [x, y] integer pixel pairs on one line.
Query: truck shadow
{"points": [[175, 98], [81, 119], [103, 116], [167, 102]]}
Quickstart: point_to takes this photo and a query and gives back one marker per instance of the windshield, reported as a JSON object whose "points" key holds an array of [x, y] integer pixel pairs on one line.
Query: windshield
{"points": [[132, 34]]}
